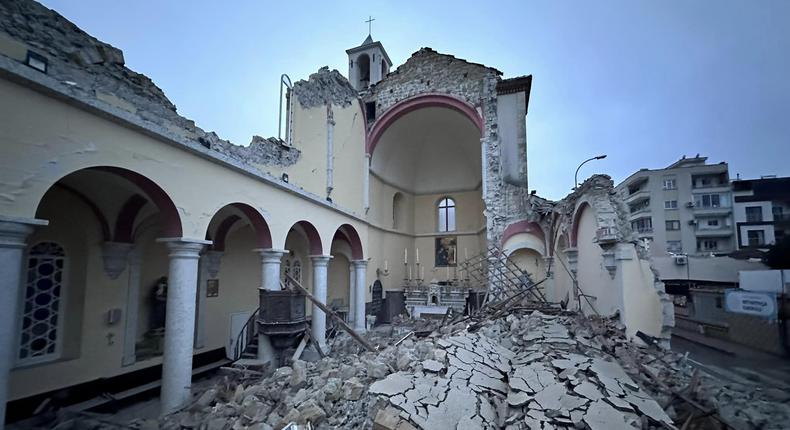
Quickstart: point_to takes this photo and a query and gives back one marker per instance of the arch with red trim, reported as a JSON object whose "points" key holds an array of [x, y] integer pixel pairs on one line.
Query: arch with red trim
{"points": [[348, 233], [313, 238], [263, 237], [418, 102], [171, 220]]}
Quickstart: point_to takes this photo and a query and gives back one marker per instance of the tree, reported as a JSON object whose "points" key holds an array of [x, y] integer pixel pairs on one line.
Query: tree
{"points": [[778, 255]]}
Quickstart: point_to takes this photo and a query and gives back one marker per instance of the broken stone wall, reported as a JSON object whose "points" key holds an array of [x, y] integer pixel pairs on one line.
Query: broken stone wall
{"points": [[643, 304], [93, 71]]}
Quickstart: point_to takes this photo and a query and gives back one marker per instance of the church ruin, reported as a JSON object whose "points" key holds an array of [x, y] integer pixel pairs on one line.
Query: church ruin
{"points": [[134, 244]]}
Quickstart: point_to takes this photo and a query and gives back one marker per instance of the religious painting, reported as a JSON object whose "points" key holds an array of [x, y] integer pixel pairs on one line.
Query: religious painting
{"points": [[212, 288], [446, 251]]}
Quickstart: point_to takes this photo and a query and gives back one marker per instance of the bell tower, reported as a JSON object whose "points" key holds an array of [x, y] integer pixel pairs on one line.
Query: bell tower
{"points": [[368, 63]]}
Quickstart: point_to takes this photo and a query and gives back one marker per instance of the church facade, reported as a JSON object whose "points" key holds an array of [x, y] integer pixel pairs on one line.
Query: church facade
{"points": [[132, 241]]}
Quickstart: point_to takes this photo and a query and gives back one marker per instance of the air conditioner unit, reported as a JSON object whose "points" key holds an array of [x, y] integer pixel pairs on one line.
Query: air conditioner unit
{"points": [[690, 204], [681, 260], [693, 222]]}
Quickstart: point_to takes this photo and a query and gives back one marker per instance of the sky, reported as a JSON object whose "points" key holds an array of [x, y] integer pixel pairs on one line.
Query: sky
{"points": [[643, 82]]}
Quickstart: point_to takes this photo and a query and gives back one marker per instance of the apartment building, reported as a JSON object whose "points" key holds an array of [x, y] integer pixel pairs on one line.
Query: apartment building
{"points": [[683, 208], [761, 211]]}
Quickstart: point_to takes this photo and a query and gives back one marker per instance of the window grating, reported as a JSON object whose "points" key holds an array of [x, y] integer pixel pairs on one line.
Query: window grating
{"points": [[39, 328]]}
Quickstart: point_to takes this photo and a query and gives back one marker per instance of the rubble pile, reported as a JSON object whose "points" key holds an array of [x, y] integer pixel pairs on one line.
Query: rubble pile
{"points": [[527, 370], [517, 373]]}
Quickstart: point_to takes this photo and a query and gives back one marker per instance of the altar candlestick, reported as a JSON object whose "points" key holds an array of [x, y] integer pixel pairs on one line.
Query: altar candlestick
{"points": [[422, 273], [418, 255], [448, 273], [385, 265], [405, 255], [410, 273], [466, 256]]}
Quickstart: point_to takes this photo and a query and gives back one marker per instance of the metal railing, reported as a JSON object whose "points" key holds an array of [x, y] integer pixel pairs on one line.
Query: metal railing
{"points": [[247, 335]]}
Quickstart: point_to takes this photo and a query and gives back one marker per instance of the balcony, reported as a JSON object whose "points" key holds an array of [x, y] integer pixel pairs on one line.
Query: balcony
{"points": [[702, 211], [638, 195], [644, 232], [714, 188], [714, 232]]}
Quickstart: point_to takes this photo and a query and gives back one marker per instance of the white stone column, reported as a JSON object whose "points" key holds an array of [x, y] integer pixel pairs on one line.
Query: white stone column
{"points": [[270, 280], [180, 322], [132, 308], [351, 294], [13, 233], [318, 324], [360, 269]]}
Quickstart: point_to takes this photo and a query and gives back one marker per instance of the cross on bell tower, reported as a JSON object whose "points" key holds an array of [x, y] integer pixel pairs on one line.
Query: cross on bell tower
{"points": [[368, 63], [370, 24]]}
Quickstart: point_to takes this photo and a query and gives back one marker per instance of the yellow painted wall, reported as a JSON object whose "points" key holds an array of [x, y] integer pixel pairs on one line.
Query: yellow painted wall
{"points": [[531, 262], [593, 278], [239, 279], [338, 281], [88, 351], [310, 137]]}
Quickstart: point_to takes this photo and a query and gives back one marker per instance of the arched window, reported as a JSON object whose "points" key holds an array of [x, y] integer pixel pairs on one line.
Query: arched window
{"points": [[364, 70], [446, 214], [42, 304], [293, 268], [397, 208]]}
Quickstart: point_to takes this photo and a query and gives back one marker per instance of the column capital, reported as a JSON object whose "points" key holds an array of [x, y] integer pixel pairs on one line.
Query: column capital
{"points": [[360, 264], [271, 255], [181, 247], [320, 260], [14, 231]]}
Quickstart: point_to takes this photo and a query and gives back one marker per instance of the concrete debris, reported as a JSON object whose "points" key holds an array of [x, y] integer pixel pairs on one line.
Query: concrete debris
{"points": [[261, 151], [559, 371], [325, 87]]}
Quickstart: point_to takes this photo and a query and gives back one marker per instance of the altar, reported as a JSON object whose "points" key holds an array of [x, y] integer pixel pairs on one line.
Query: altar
{"points": [[436, 297]]}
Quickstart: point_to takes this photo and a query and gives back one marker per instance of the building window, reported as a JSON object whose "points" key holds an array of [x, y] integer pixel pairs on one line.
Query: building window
{"points": [[42, 304], [754, 214], [447, 214], [674, 246], [670, 204], [778, 213], [670, 184], [713, 223], [673, 225], [709, 245], [643, 225], [756, 237], [707, 201]]}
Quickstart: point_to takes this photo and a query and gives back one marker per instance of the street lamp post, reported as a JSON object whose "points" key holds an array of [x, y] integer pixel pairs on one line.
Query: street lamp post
{"points": [[576, 175]]}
